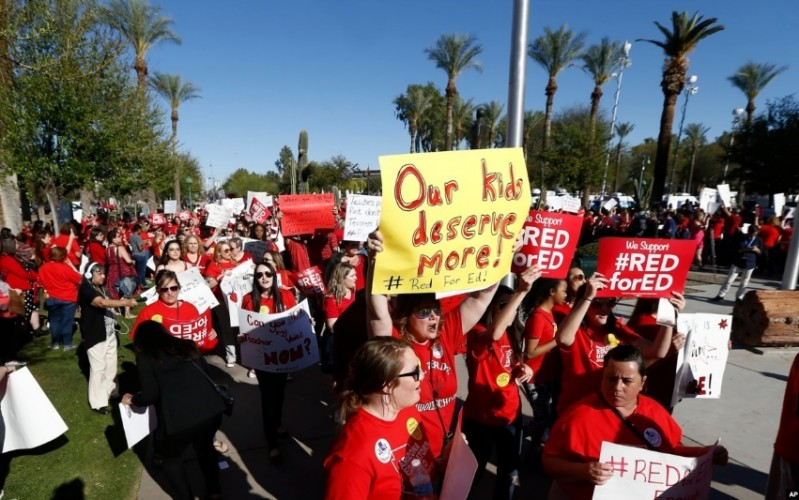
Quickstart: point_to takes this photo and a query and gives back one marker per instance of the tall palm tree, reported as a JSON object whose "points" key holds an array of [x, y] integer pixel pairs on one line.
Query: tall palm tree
{"points": [[417, 103], [143, 26], [462, 118], [751, 79], [622, 130], [599, 61], [686, 32], [492, 114], [695, 136], [175, 92], [454, 54]]}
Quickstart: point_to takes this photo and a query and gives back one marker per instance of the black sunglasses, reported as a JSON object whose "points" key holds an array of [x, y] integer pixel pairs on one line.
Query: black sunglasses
{"points": [[413, 374], [427, 312], [609, 303], [173, 288], [261, 275]]}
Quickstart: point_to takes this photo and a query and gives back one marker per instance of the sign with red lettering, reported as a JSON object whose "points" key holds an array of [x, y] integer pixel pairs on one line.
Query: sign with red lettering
{"points": [[259, 211], [642, 473], [305, 213], [549, 240], [449, 220], [701, 362], [278, 343], [644, 267], [196, 329], [184, 215], [311, 282], [157, 219]]}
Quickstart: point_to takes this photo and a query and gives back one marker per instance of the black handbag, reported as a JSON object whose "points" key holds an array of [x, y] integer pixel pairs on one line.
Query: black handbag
{"points": [[222, 390]]}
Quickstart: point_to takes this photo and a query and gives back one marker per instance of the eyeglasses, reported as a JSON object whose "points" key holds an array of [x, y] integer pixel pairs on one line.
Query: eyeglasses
{"points": [[427, 312], [413, 374], [606, 303], [578, 277], [225, 250], [173, 288], [263, 274]]}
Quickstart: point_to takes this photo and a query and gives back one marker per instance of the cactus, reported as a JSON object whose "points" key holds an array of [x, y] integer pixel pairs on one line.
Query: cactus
{"points": [[302, 160]]}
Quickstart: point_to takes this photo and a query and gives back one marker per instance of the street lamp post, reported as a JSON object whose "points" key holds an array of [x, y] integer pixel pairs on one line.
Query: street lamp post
{"points": [[690, 89], [624, 62], [189, 181], [736, 119]]}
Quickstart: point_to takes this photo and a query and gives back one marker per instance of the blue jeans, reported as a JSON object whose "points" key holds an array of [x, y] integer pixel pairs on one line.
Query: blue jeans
{"points": [[62, 317], [508, 442], [141, 259]]}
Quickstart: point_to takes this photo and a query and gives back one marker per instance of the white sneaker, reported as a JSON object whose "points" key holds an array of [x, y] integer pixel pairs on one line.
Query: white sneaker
{"points": [[251, 373]]}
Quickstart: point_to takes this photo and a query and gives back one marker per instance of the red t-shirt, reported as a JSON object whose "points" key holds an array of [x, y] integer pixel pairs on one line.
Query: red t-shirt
{"points": [[268, 303], [493, 394], [59, 281], [15, 274], [96, 252], [73, 252], [440, 379], [335, 309], [216, 270], [201, 261], [769, 234], [182, 321], [578, 434], [360, 272], [560, 311], [582, 361], [659, 376], [787, 444], [371, 458], [541, 326]]}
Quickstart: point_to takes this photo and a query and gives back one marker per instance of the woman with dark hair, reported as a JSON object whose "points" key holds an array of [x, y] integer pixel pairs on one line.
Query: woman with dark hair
{"points": [[60, 281], [41, 246], [268, 298], [67, 239], [434, 338], [382, 438], [617, 413], [122, 276], [172, 258], [95, 248], [492, 414], [174, 378], [287, 278]]}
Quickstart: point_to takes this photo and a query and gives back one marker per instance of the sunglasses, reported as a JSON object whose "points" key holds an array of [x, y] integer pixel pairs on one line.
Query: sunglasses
{"points": [[608, 303], [263, 274], [225, 250], [427, 312], [578, 277], [413, 374], [173, 288]]}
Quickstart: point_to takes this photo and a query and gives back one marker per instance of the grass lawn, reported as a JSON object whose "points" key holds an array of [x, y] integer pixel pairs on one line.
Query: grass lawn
{"points": [[80, 463]]}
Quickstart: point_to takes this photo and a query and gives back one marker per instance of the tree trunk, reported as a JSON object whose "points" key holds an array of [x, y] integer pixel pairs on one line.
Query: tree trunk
{"points": [[140, 65], [451, 93], [664, 145], [616, 170], [412, 129], [691, 170], [152, 201], [10, 215], [86, 198], [174, 153], [52, 200]]}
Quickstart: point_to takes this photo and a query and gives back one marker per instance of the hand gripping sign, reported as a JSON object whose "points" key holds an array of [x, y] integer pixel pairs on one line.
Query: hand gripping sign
{"points": [[449, 219], [644, 267], [548, 239]]}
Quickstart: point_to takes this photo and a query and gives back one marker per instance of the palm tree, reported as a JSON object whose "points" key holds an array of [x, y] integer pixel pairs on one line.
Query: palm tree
{"points": [[751, 79], [599, 61], [695, 135], [686, 32], [143, 26], [454, 54], [417, 103], [175, 92], [622, 130], [492, 114], [462, 118]]}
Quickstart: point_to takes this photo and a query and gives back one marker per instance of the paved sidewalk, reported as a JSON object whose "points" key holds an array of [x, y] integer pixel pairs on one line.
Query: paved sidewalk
{"points": [[745, 418]]}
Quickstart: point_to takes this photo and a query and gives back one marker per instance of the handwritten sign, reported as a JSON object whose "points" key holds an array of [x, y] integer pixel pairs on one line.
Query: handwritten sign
{"points": [[305, 213], [548, 239], [642, 473], [363, 216], [572, 204], [701, 362], [218, 215], [278, 343], [449, 219], [237, 283], [644, 267], [236, 205], [257, 249], [194, 289], [170, 206]]}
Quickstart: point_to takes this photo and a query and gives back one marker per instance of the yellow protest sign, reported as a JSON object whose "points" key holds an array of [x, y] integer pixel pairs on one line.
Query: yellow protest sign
{"points": [[449, 220]]}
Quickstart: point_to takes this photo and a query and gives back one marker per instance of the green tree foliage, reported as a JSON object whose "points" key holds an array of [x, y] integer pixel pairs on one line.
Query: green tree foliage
{"points": [[285, 165], [337, 171], [431, 125], [751, 79], [242, 180]]}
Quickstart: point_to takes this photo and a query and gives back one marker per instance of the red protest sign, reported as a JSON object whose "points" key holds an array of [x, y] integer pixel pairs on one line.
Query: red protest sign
{"points": [[548, 239], [184, 215], [259, 211], [311, 282], [157, 219], [644, 267], [305, 213]]}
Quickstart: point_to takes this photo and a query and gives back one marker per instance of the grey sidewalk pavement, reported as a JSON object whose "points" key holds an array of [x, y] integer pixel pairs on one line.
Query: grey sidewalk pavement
{"points": [[745, 418]]}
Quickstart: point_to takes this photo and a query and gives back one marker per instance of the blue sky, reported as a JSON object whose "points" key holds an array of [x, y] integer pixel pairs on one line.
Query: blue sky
{"points": [[269, 68]]}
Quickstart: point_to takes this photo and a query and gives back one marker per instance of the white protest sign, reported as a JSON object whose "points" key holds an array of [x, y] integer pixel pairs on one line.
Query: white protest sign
{"points": [[363, 216], [779, 203], [571, 204], [194, 289], [701, 363], [218, 215], [137, 422], [237, 283], [641, 473], [170, 206], [31, 419], [712, 207], [724, 194], [608, 205], [278, 343], [150, 295], [253, 194], [151, 263], [236, 205], [555, 203], [706, 197]]}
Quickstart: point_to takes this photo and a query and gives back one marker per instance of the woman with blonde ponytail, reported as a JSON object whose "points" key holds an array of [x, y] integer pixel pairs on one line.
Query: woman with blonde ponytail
{"points": [[382, 433]]}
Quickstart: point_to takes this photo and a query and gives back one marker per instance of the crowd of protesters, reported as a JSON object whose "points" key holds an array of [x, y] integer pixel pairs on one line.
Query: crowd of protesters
{"points": [[572, 357]]}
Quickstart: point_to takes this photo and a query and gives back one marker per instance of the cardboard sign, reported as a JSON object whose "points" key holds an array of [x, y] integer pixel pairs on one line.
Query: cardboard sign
{"points": [[706, 197], [644, 267], [311, 282], [138, 422], [259, 211], [449, 219], [218, 215], [548, 239], [363, 216], [724, 194], [170, 206], [194, 289], [701, 362], [642, 473], [31, 419], [305, 213], [572, 204], [779, 203], [236, 205], [265, 198], [278, 343], [237, 283]]}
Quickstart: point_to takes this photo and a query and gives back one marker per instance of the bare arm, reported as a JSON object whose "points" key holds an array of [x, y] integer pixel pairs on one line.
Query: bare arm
{"points": [[659, 348], [567, 470], [567, 330], [108, 303], [533, 348], [378, 318], [508, 313]]}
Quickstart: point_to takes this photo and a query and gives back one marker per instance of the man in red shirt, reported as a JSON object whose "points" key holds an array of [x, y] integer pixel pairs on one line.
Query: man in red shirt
{"points": [[784, 473]]}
